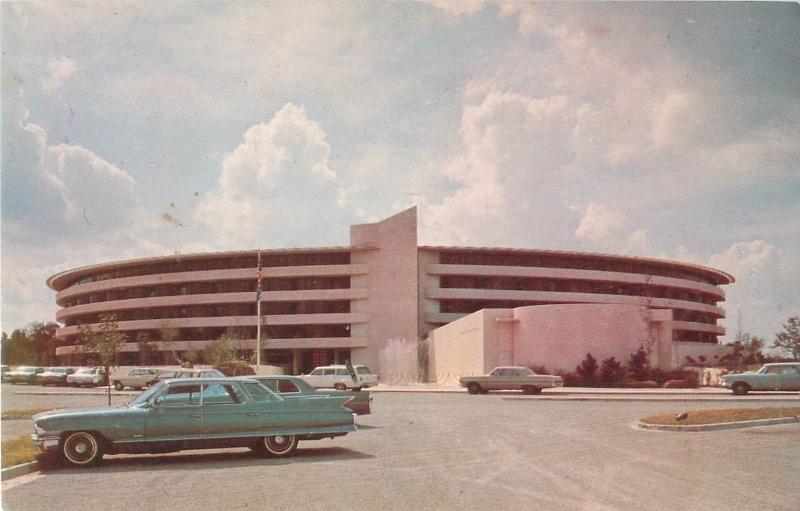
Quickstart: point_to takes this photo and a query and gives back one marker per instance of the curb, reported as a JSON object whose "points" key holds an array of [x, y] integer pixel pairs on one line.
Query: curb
{"points": [[721, 425], [19, 470], [652, 399]]}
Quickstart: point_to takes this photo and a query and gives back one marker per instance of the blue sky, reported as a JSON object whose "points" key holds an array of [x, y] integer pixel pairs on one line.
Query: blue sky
{"points": [[668, 130]]}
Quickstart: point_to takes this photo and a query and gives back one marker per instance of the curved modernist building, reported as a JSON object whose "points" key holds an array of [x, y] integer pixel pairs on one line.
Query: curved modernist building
{"points": [[324, 305]]}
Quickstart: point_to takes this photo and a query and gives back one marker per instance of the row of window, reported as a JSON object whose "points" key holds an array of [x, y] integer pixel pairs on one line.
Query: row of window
{"points": [[571, 286], [211, 311], [213, 287], [178, 265], [470, 306], [564, 261], [249, 332]]}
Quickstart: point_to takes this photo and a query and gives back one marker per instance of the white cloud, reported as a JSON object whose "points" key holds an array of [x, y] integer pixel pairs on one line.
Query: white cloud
{"points": [[60, 70], [745, 260], [278, 167], [459, 7], [599, 223]]}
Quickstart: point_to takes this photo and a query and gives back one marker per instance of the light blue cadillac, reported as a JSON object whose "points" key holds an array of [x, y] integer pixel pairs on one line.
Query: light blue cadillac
{"points": [[192, 413]]}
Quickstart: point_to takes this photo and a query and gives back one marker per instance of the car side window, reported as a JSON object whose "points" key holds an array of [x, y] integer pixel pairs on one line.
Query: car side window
{"points": [[316, 372], [328, 372], [774, 370], [221, 394], [342, 372], [180, 395], [258, 391], [287, 386], [790, 370]]}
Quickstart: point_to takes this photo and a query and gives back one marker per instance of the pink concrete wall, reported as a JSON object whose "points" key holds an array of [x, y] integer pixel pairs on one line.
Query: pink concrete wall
{"points": [[560, 336], [391, 303], [457, 349]]}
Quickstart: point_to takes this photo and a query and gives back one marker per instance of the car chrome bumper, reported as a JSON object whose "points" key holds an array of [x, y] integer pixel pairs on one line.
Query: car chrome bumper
{"points": [[46, 442]]}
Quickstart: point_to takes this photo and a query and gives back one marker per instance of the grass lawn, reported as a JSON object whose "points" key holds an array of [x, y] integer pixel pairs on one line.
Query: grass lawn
{"points": [[18, 450], [723, 415], [22, 414]]}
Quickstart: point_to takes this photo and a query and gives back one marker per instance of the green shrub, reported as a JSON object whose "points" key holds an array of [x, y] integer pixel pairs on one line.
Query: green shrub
{"points": [[639, 365], [587, 370], [611, 371]]}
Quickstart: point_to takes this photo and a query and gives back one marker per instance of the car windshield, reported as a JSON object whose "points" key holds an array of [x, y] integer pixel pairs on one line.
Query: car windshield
{"points": [[363, 370], [27, 369], [147, 394], [85, 370], [58, 369]]}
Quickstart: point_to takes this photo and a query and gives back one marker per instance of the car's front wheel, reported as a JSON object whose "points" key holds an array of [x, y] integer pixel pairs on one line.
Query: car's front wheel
{"points": [[340, 386], [118, 385], [474, 388], [740, 388], [278, 446], [81, 449]]}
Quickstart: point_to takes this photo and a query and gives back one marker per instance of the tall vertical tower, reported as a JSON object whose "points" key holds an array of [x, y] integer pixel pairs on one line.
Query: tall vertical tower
{"points": [[391, 280]]}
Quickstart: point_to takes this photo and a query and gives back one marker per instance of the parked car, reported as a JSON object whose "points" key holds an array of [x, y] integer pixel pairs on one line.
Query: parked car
{"points": [[184, 373], [4, 370], [137, 378], [24, 374], [54, 376], [339, 378], [776, 376], [88, 377], [295, 387], [192, 413], [511, 378]]}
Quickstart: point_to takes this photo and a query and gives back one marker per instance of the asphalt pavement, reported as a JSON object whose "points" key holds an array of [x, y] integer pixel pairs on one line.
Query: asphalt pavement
{"points": [[455, 451]]}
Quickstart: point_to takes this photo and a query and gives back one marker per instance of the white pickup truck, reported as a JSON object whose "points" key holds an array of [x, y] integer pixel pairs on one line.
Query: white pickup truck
{"points": [[511, 378]]}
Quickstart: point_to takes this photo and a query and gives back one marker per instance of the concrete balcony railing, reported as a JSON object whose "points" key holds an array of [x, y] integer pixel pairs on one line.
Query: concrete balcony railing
{"points": [[571, 274], [336, 270], [211, 299]]}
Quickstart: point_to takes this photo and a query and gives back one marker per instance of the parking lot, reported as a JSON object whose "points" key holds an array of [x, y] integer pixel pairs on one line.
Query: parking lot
{"points": [[454, 451]]}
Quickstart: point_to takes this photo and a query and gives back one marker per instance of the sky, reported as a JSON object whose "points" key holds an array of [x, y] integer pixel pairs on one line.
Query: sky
{"points": [[668, 130]]}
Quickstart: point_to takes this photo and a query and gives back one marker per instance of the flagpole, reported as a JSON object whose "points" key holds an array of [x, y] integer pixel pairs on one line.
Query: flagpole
{"points": [[258, 309]]}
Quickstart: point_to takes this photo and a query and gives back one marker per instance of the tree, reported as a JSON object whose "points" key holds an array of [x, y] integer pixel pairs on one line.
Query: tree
{"points": [[639, 365], [751, 347], [222, 350], [43, 337], [18, 348], [587, 369], [102, 342], [789, 339], [611, 371]]}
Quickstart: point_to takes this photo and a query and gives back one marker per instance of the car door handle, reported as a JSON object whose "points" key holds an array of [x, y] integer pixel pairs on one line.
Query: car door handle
{"points": [[194, 415], [253, 414]]}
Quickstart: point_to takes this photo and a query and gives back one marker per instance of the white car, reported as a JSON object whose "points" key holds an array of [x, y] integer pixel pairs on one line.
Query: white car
{"points": [[338, 377], [89, 376]]}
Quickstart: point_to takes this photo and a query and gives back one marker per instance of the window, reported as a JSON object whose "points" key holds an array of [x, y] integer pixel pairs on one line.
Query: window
{"points": [[362, 370], [221, 394], [258, 391], [790, 370], [774, 370], [287, 386], [328, 372], [341, 372], [316, 372], [180, 395]]}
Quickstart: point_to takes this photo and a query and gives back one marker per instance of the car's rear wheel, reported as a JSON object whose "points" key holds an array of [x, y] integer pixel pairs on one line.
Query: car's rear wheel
{"points": [[740, 389], [81, 449], [118, 385], [474, 388], [531, 389], [340, 386], [278, 446]]}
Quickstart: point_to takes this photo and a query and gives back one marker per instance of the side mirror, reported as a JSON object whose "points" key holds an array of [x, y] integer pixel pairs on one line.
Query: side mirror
{"points": [[146, 405]]}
